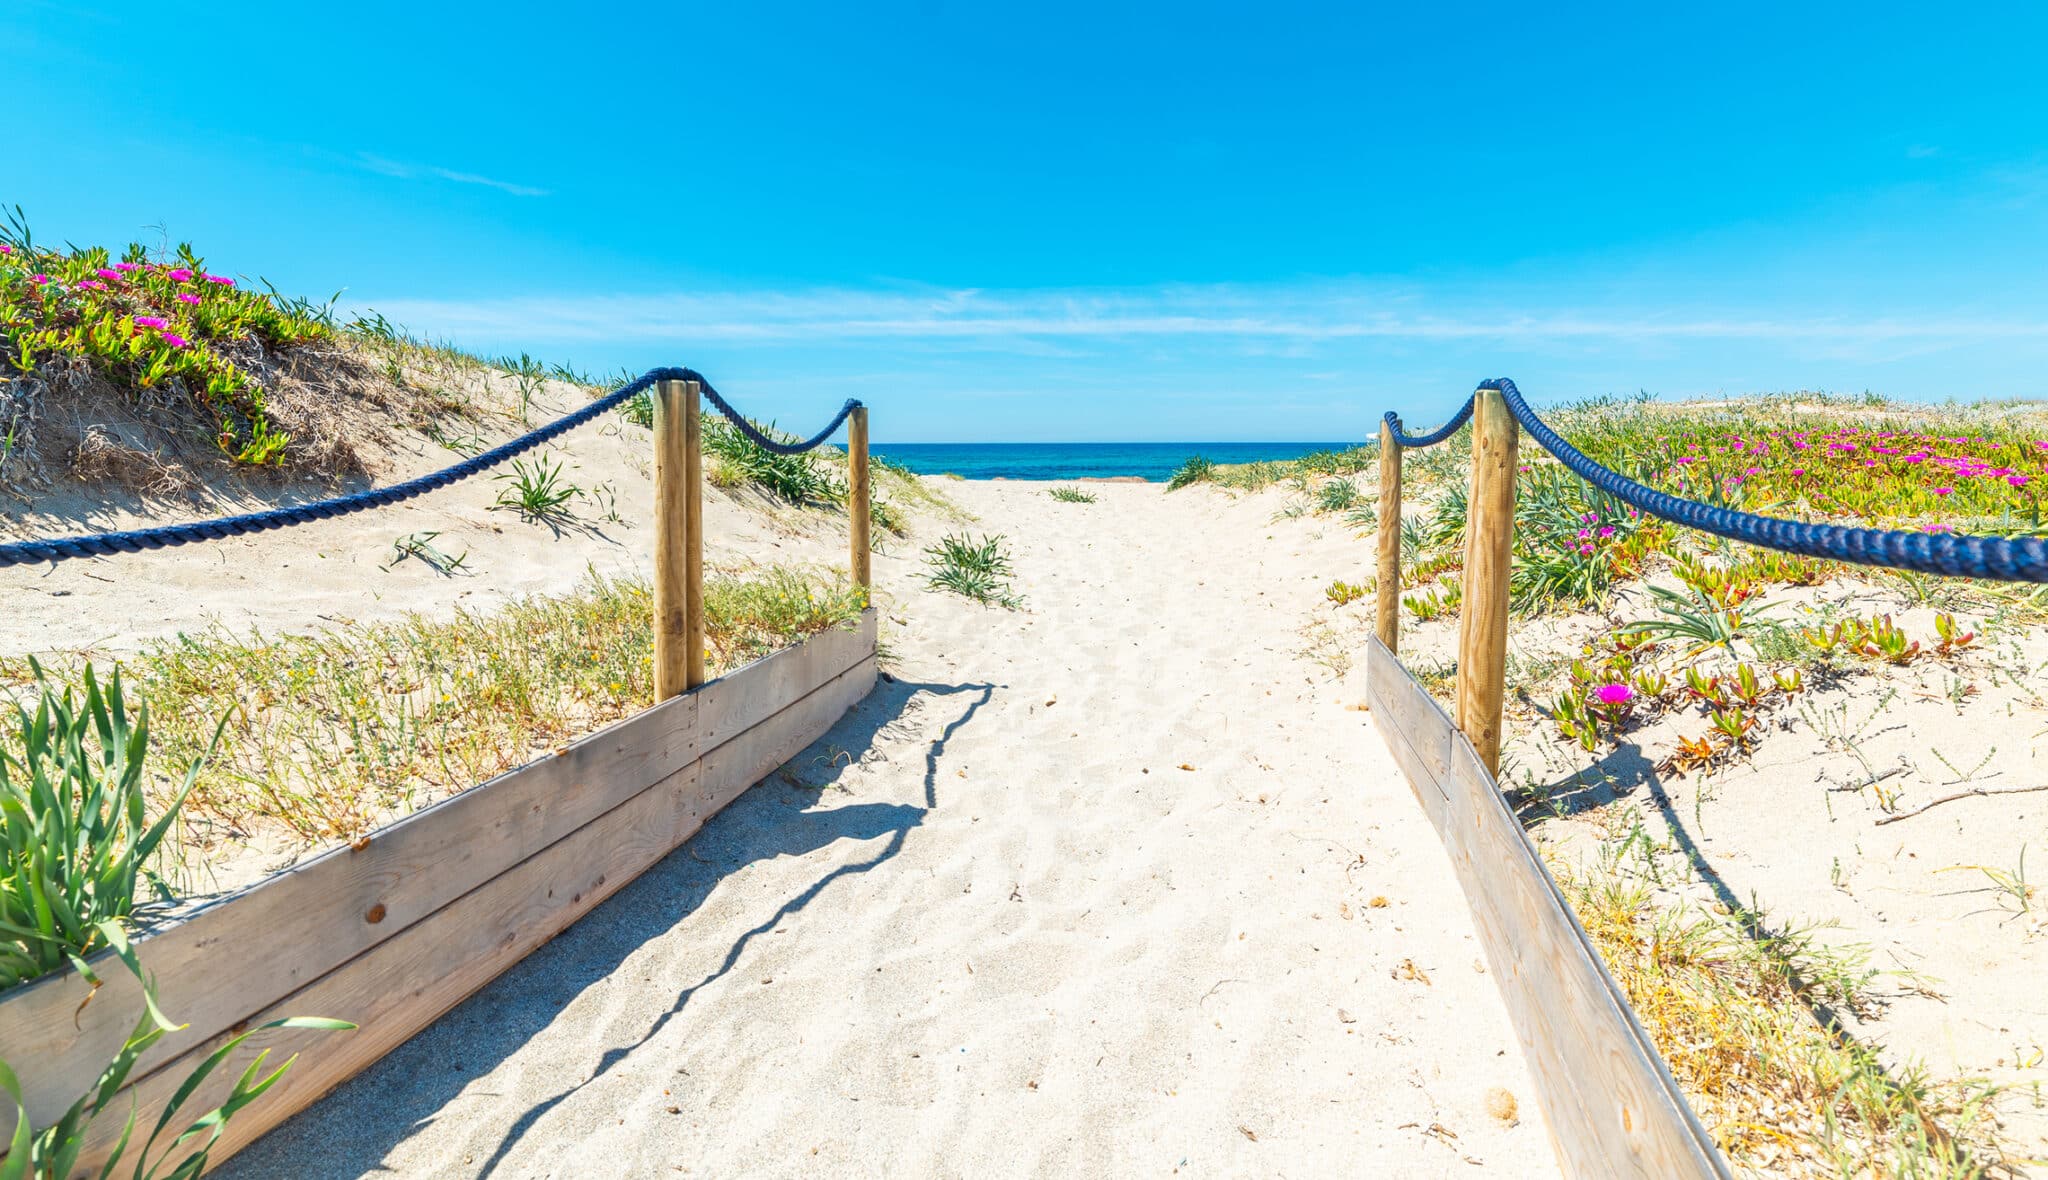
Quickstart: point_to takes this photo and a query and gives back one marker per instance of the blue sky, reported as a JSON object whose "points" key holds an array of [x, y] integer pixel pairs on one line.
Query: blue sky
{"points": [[1053, 221]]}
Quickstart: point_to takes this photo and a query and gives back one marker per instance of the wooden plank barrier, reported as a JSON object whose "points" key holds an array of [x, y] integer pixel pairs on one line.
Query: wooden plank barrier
{"points": [[394, 932], [1609, 1101]]}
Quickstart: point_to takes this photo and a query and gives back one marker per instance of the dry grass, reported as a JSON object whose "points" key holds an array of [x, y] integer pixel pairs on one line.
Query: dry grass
{"points": [[332, 733], [1741, 1017]]}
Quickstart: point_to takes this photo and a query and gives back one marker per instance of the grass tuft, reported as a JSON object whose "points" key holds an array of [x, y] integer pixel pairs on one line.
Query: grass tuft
{"points": [[1734, 1012], [977, 569], [331, 733]]}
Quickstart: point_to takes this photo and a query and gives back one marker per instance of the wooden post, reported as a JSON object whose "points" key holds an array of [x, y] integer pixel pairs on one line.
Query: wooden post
{"points": [[1489, 549], [1387, 601], [857, 495], [678, 541], [693, 535]]}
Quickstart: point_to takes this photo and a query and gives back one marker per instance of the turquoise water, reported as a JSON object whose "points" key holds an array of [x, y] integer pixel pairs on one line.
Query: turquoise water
{"points": [[1151, 461]]}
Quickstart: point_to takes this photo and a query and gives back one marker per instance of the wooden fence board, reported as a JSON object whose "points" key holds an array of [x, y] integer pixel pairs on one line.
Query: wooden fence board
{"points": [[403, 985], [1417, 729], [1610, 1103], [299, 923], [738, 701], [295, 926]]}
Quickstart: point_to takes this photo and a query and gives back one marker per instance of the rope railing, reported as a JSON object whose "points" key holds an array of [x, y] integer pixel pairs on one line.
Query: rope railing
{"points": [[163, 536], [1495, 410], [2010, 559]]}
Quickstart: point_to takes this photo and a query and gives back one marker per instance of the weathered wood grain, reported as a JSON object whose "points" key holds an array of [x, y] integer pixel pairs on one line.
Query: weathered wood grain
{"points": [[404, 984], [296, 925], [857, 497], [673, 409], [1489, 552], [1610, 1103], [1415, 728], [1387, 572]]}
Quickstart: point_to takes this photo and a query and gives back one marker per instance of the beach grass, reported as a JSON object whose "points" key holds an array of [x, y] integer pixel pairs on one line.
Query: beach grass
{"points": [[329, 734], [1742, 1015]]}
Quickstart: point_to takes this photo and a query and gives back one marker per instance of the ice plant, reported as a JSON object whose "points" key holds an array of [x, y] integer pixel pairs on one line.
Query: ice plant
{"points": [[150, 321], [175, 340], [181, 275], [187, 297], [1614, 694], [222, 280]]}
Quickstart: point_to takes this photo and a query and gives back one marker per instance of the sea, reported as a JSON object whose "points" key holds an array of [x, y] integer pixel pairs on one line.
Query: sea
{"points": [[1148, 461]]}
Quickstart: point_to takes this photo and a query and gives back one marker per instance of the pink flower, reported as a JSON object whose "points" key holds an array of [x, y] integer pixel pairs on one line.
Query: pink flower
{"points": [[181, 275], [125, 267], [175, 340], [1586, 549], [1939, 528], [222, 280], [150, 321], [1688, 458], [1606, 531], [39, 280], [1799, 471], [92, 285], [2018, 481], [109, 273], [6, 249], [187, 297], [1944, 491], [1614, 694], [1584, 533]]}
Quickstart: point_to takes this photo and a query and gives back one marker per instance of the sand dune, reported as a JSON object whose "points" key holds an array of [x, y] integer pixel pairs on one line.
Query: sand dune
{"points": [[1113, 885]]}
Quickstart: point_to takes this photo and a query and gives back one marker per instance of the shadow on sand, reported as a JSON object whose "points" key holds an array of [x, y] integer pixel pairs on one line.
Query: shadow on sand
{"points": [[364, 1119]]}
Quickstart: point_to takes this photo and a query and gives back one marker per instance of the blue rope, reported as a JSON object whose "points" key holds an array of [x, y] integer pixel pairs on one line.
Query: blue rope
{"points": [[1433, 437], [164, 536], [2005, 559]]}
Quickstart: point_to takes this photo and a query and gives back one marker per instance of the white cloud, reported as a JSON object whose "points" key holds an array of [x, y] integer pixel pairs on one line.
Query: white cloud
{"points": [[384, 167], [1254, 317]]}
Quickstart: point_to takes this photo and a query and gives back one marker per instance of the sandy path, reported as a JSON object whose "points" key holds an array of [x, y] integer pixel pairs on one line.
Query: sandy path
{"points": [[988, 926]]}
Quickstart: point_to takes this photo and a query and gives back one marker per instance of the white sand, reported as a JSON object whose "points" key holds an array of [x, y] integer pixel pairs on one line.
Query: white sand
{"points": [[989, 926]]}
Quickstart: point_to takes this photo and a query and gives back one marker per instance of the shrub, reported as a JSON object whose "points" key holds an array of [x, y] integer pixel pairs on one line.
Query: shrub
{"points": [[167, 325], [1337, 495], [1343, 593], [51, 1153], [1195, 470], [74, 844], [803, 479], [973, 569], [1069, 495], [537, 491]]}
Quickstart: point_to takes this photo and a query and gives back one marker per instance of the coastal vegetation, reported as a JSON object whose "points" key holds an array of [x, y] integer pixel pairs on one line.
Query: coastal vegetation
{"points": [[327, 734], [1668, 688], [976, 568]]}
